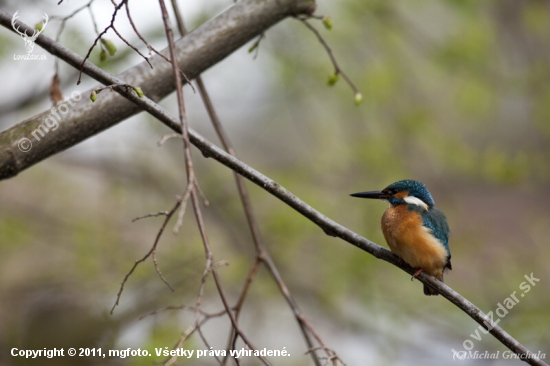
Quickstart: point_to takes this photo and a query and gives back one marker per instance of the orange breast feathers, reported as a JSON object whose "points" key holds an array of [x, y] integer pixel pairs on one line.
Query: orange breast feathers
{"points": [[412, 242]]}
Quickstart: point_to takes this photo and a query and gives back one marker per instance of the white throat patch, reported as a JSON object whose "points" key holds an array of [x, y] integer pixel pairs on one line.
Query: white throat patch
{"points": [[416, 201]]}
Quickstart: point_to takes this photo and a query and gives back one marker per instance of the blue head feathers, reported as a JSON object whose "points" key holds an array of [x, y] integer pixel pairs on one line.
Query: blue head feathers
{"points": [[415, 188]]}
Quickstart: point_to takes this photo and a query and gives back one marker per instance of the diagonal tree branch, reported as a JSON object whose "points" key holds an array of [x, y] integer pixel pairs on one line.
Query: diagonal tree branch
{"points": [[9, 139]]}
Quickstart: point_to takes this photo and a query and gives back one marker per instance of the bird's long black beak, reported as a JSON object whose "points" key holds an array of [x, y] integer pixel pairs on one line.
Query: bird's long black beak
{"points": [[380, 195]]}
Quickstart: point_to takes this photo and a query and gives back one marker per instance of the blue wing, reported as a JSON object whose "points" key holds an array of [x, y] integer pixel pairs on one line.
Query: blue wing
{"points": [[435, 220]]}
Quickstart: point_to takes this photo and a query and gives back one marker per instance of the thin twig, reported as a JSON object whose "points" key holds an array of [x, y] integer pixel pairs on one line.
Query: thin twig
{"points": [[151, 48], [238, 307], [117, 8], [181, 212], [337, 69], [206, 343], [195, 326], [256, 45], [64, 20], [172, 360], [153, 248], [268, 262], [167, 137], [136, 31], [183, 307], [157, 214], [332, 356], [334, 359], [157, 269], [131, 46]]}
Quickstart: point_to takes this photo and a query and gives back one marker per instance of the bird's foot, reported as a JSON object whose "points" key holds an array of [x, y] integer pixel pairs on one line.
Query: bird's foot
{"points": [[420, 270], [400, 261]]}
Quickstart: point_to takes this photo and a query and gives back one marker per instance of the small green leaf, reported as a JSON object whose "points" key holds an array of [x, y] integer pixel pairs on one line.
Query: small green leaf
{"points": [[253, 47], [327, 22], [358, 98], [39, 26], [138, 91], [110, 46], [332, 79], [93, 96], [102, 55]]}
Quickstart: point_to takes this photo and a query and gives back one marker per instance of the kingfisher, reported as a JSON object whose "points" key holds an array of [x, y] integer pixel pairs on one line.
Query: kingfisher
{"points": [[414, 229]]}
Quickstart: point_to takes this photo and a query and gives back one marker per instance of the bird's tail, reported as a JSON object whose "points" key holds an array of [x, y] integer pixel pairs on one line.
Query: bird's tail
{"points": [[428, 291]]}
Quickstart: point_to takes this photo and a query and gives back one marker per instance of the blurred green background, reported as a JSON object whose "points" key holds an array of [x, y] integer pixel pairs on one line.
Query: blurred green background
{"points": [[456, 95]]}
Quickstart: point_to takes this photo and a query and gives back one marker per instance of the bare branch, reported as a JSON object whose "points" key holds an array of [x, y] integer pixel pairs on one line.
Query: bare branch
{"points": [[131, 46], [150, 47], [337, 69], [192, 183], [181, 212], [160, 213], [196, 326], [117, 8], [152, 251], [183, 307], [64, 21], [262, 255]]}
